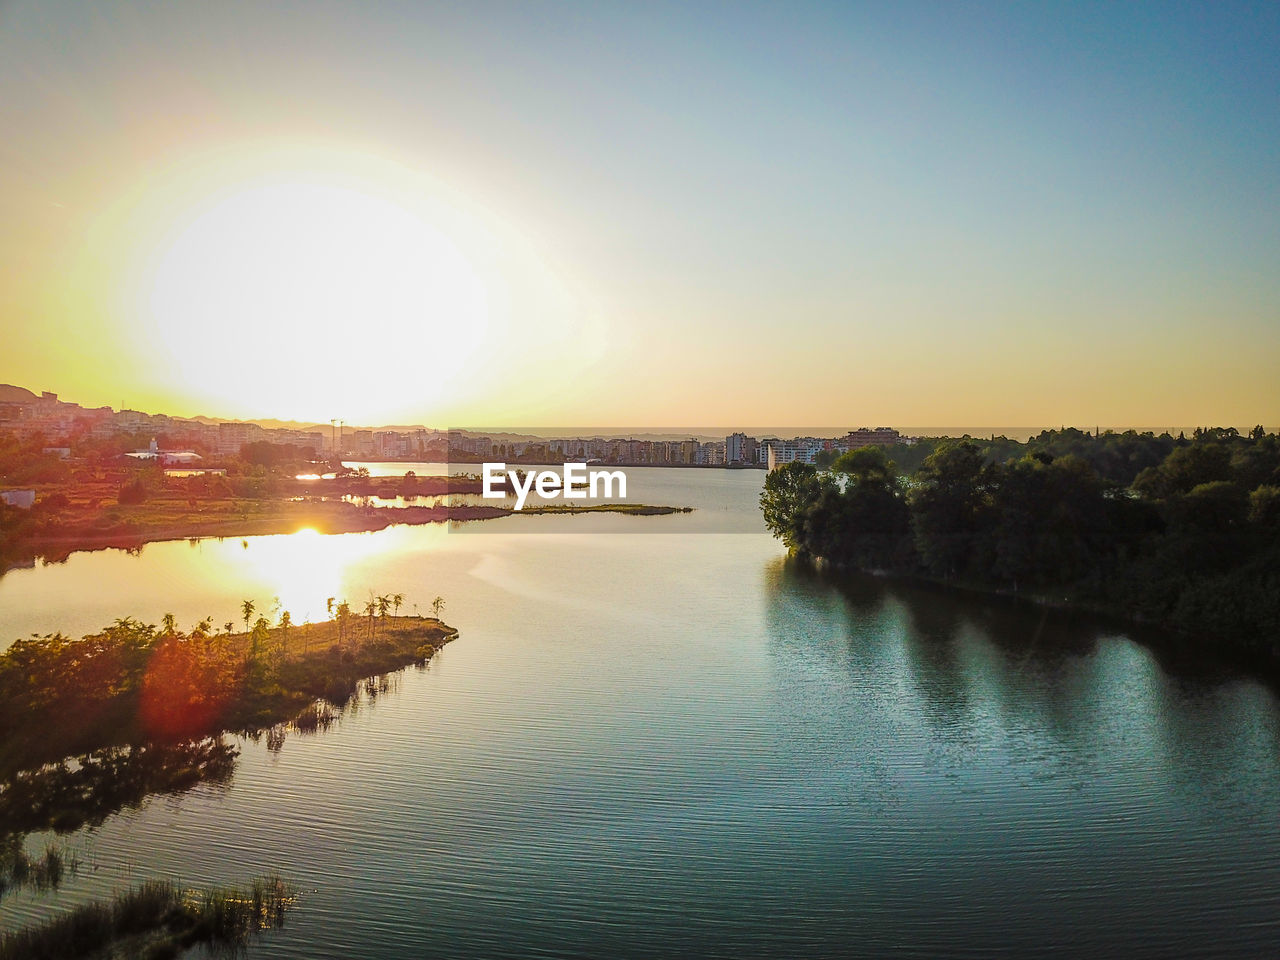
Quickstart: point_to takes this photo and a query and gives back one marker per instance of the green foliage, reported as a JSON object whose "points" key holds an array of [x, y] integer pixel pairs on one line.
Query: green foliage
{"points": [[158, 918], [24, 462], [131, 683], [1182, 532], [133, 492], [788, 493], [264, 453], [950, 507], [866, 465], [19, 870]]}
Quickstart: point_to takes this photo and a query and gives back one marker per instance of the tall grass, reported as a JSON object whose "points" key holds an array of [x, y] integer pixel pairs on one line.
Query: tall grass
{"points": [[18, 869], [158, 919], [317, 716]]}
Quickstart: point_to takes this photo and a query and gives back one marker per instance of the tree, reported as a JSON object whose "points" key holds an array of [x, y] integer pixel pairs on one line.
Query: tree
{"points": [[437, 605], [1204, 461], [1050, 520], [133, 492], [170, 623], [286, 621], [246, 611], [866, 523], [867, 465], [343, 615], [257, 640], [947, 507], [397, 600], [789, 492]]}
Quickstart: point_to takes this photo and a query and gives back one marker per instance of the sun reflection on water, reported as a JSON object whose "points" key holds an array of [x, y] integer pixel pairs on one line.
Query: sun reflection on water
{"points": [[305, 568]]}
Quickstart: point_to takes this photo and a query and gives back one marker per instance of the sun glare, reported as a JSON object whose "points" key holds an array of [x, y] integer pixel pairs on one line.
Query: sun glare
{"points": [[314, 299], [304, 568]]}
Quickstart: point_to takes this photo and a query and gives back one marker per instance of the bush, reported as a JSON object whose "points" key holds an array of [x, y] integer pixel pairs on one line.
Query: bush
{"points": [[55, 501], [133, 492]]}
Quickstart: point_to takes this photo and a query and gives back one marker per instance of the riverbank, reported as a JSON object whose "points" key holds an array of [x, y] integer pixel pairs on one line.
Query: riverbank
{"points": [[132, 526], [155, 920], [132, 684], [1171, 644]]}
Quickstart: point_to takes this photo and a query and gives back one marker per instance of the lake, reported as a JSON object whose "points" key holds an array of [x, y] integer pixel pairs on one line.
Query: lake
{"points": [[685, 744]]}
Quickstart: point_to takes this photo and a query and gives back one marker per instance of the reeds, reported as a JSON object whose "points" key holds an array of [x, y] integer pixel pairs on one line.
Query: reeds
{"points": [[19, 870], [318, 716], [157, 919]]}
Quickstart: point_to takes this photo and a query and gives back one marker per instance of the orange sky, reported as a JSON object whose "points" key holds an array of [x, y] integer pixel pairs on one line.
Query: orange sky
{"points": [[454, 218]]}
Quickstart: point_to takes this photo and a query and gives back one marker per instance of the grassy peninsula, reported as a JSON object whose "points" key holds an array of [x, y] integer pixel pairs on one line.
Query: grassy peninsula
{"points": [[135, 683], [90, 726]]}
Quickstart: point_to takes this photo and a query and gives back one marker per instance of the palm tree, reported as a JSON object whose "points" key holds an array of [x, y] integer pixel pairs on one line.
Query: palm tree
{"points": [[396, 600], [344, 611], [286, 620], [261, 632], [246, 610], [369, 609], [170, 624], [437, 605], [384, 604]]}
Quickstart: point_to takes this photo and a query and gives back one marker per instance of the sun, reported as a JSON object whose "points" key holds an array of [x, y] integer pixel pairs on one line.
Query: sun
{"points": [[312, 298]]}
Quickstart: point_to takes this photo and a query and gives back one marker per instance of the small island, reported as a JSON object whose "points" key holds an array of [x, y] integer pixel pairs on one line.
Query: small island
{"points": [[91, 726], [135, 683]]}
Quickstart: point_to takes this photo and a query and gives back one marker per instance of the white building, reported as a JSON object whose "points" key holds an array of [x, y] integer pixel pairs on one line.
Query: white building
{"points": [[22, 499]]}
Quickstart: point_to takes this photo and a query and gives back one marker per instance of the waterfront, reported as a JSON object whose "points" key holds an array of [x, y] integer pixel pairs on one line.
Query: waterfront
{"points": [[684, 743]]}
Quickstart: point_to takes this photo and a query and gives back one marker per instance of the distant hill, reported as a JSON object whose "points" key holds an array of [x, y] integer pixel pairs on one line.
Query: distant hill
{"points": [[11, 394]]}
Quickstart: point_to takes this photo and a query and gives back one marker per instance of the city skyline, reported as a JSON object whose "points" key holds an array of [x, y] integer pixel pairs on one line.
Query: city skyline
{"points": [[12, 417], [499, 213]]}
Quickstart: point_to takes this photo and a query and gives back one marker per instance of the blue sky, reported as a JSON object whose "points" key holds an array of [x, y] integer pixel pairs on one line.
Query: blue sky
{"points": [[903, 212]]}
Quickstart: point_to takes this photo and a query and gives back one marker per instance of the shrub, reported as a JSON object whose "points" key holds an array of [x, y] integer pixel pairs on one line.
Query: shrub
{"points": [[133, 492]]}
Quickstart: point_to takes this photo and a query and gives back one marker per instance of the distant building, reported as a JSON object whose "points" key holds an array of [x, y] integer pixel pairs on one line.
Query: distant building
{"points": [[796, 450], [388, 443], [197, 472], [712, 454], [22, 499], [233, 436], [879, 437], [168, 458], [739, 448]]}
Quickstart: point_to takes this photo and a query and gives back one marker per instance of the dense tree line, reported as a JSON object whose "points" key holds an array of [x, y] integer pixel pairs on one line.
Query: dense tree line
{"points": [[1184, 532]]}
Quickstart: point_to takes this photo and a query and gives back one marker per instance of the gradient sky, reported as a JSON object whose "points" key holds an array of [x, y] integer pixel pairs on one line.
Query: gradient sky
{"points": [[645, 213]]}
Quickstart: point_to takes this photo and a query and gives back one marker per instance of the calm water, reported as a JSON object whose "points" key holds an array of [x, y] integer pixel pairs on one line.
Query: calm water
{"points": [[684, 744]]}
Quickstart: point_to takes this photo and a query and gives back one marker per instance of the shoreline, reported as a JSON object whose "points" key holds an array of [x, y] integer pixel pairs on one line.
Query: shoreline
{"points": [[196, 685], [1152, 634], [285, 517]]}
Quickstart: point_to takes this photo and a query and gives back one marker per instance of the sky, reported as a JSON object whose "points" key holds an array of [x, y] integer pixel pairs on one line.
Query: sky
{"points": [[645, 213]]}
